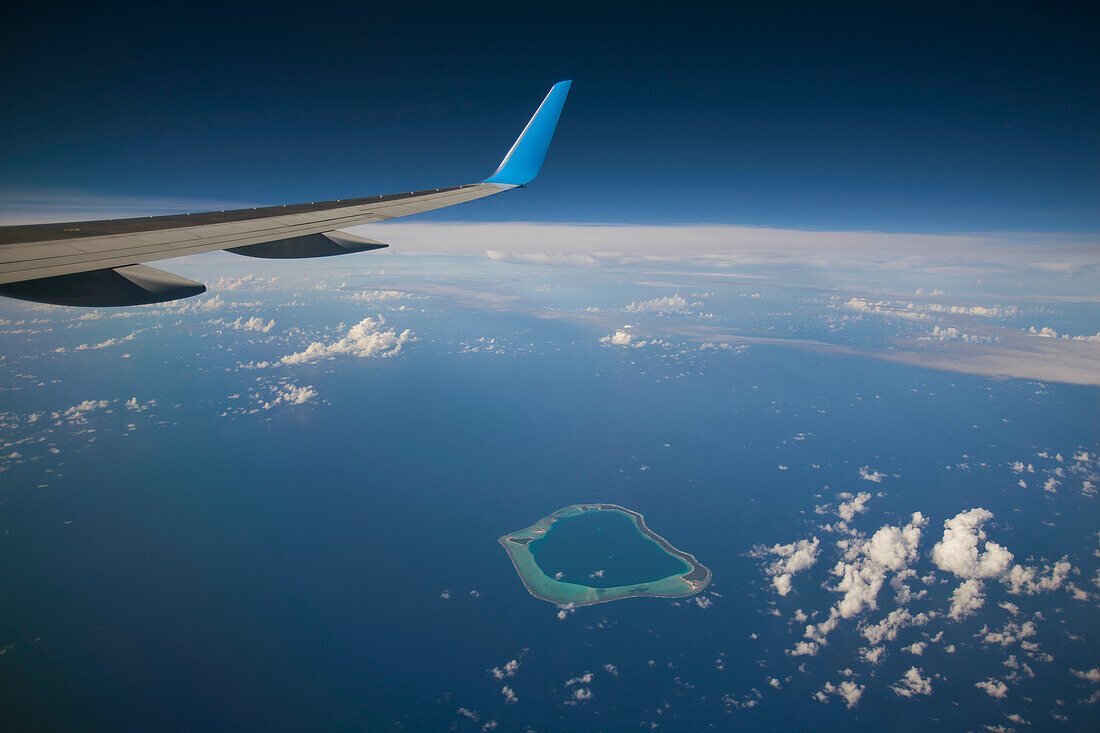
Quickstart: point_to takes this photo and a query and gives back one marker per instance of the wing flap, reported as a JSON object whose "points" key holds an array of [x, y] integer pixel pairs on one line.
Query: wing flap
{"points": [[326, 244], [119, 286]]}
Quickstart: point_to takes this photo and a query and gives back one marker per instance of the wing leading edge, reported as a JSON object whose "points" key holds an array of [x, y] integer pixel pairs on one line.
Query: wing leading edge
{"points": [[86, 263]]}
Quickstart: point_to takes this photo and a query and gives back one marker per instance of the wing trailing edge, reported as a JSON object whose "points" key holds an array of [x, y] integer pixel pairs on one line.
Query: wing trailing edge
{"points": [[118, 286]]}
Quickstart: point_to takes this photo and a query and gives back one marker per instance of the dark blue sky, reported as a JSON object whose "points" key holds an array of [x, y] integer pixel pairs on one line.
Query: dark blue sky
{"points": [[983, 117]]}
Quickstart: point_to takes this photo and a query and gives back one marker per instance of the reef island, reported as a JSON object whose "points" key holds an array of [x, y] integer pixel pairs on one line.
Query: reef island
{"points": [[595, 553]]}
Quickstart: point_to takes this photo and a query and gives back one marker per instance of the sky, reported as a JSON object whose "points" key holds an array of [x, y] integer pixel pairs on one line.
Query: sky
{"points": [[907, 118]]}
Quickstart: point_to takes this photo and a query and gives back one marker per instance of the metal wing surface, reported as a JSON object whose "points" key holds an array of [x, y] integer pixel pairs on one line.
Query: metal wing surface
{"points": [[98, 263]]}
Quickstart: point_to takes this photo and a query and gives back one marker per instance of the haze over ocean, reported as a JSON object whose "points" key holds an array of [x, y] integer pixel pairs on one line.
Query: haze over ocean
{"points": [[815, 291]]}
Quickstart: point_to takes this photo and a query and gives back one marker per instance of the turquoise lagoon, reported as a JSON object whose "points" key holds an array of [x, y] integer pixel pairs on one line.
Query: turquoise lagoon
{"points": [[594, 553]]}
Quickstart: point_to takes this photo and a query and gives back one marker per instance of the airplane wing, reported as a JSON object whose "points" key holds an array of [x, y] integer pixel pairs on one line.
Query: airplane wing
{"points": [[100, 263]]}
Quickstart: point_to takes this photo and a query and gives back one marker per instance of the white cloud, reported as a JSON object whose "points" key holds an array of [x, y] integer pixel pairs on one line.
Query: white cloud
{"points": [[1048, 332], [622, 337], [290, 394], [993, 688], [1090, 675], [966, 599], [857, 505], [247, 282], [793, 558], [593, 244], [582, 693], [1011, 633], [951, 333], [135, 405], [887, 629], [913, 684], [105, 344], [197, 305], [958, 551], [848, 690], [509, 695], [255, 323], [1030, 580], [805, 649], [584, 679], [380, 295], [662, 306], [78, 413], [509, 670], [368, 338], [866, 562], [867, 474], [568, 259]]}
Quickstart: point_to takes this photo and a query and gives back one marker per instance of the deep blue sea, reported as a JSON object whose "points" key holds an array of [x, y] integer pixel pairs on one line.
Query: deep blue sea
{"points": [[334, 565]]}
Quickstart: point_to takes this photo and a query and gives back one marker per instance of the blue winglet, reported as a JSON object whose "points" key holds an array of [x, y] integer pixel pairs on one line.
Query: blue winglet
{"points": [[524, 160]]}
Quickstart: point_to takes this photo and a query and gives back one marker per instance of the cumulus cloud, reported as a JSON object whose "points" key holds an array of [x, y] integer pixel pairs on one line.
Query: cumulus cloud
{"points": [[951, 333], [1029, 580], [958, 552], [966, 599], [380, 295], [255, 323], [856, 505], [582, 693], [993, 687], [849, 691], [1010, 633], [135, 405], [1090, 675], [290, 394], [912, 684], [1048, 332], [622, 337], [104, 344], [509, 670], [867, 474], [509, 695], [866, 562], [862, 571], [662, 306], [793, 558], [368, 338], [247, 282], [887, 629], [962, 552], [79, 413]]}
